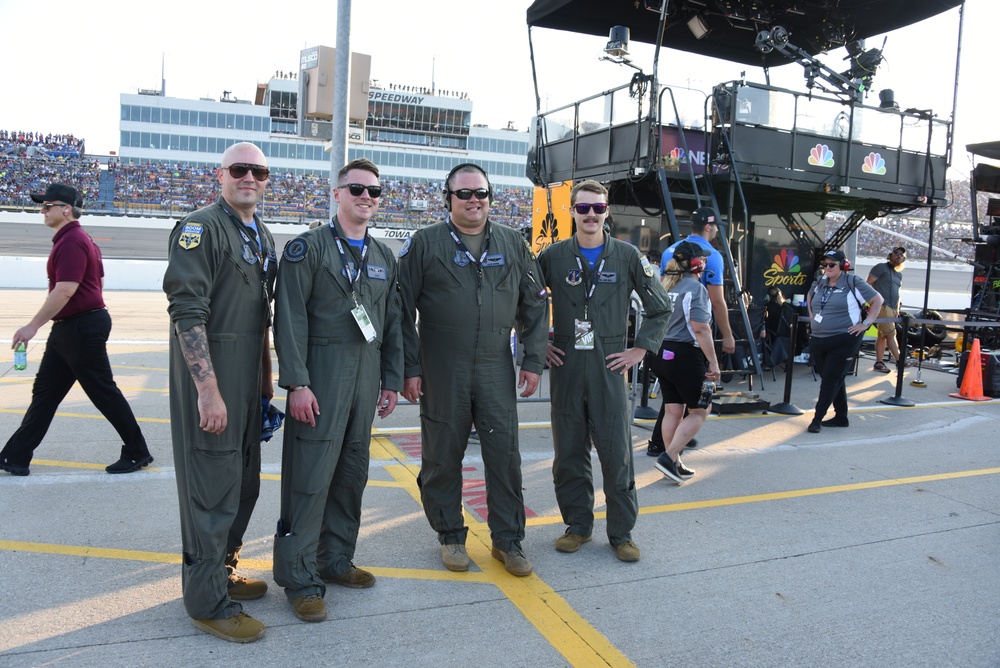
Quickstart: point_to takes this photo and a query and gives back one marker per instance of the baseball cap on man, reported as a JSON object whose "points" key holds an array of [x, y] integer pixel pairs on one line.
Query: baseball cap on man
{"points": [[57, 192], [686, 250], [704, 215]]}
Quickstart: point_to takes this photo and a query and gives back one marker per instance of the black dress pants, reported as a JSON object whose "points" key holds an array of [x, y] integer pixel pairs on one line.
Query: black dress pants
{"points": [[76, 351]]}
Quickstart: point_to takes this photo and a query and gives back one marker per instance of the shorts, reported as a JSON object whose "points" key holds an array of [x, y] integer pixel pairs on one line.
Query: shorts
{"points": [[887, 328], [681, 378]]}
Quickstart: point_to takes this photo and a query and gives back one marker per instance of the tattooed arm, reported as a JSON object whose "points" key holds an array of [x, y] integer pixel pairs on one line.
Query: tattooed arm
{"points": [[211, 407]]}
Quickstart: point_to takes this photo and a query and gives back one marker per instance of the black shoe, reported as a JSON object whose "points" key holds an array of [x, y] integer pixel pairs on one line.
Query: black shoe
{"points": [[693, 443], [674, 470], [655, 449], [13, 470], [814, 427], [125, 465], [837, 421]]}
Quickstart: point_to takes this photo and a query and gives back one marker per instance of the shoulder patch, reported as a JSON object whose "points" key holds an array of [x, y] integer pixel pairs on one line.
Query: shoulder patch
{"points": [[406, 246], [295, 250], [647, 268], [190, 236]]}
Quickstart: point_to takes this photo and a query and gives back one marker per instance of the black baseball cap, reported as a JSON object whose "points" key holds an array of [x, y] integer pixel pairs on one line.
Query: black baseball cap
{"points": [[836, 255], [704, 215], [58, 192], [686, 250]]}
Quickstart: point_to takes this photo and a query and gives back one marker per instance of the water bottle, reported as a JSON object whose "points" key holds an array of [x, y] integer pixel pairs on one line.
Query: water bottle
{"points": [[20, 357], [707, 390]]}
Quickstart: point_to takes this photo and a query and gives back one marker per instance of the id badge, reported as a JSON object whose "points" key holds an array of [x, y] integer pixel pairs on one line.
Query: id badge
{"points": [[817, 317], [584, 335], [364, 322]]}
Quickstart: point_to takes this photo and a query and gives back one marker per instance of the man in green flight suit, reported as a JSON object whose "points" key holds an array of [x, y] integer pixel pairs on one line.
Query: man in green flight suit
{"points": [[338, 334], [592, 276], [219, 283], [470, 280]]}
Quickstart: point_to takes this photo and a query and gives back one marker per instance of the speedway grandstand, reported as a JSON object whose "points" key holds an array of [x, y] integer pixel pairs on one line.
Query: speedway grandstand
{"points": [[116, 186]]}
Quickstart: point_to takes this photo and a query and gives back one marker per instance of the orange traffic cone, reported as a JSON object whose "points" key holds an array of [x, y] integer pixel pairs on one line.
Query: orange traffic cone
{"points": [[972, 382]]}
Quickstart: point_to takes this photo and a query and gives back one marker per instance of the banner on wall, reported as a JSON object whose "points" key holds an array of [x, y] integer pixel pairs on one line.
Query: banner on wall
{"points": [[550, 219]]}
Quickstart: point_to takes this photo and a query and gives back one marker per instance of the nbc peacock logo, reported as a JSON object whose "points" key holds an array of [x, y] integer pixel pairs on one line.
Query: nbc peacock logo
{"points": [[820, 155], [874, 164], [674, 159], [785, 269]]}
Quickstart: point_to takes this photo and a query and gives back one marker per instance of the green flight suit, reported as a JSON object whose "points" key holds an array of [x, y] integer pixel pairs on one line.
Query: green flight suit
{"points": [[324, 469], [214, 278], [589, 401], [463, 355]]}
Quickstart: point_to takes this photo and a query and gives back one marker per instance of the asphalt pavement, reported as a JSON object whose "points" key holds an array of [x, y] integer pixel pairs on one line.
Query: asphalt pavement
{"points": [[874, 545]]}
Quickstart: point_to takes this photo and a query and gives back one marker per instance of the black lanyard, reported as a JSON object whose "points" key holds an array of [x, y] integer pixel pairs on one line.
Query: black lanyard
{"points": [[590, 285], [352, 278], [263, 256], [827, 291], [465, 249]]}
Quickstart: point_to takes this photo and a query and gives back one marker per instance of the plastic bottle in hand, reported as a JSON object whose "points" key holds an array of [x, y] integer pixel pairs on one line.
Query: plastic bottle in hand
{"points": [[20, 357]]}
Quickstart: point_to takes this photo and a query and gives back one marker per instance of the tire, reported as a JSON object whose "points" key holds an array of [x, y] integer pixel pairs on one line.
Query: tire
{"points": [[933, 334]]}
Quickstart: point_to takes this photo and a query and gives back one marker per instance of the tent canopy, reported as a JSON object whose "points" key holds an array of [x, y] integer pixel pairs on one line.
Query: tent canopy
{"points": [[815, 25]]}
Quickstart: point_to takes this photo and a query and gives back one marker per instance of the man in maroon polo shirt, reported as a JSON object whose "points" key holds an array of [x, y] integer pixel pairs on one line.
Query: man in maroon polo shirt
{"points": [[77, 345]]}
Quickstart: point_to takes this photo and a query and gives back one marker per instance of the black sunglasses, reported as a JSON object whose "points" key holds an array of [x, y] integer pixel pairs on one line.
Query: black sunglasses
{"points": [[598, 208], [829, 264], [356, 189], [239, 170], [467, 193]]}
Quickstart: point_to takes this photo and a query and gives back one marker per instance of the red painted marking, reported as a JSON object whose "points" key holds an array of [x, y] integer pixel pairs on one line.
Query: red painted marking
{"points": [[473, 489]]}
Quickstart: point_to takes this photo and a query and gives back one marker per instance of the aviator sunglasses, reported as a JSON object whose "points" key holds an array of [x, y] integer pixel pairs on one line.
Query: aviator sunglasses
{"points": [[598, 208], [827, 265], [356, 189], [467, 193], [239, 169]]}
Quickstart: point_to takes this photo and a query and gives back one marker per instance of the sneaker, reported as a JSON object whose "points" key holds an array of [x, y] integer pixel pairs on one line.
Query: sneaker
{"points": [[514, 561], [692, 444], [239, 628], [673, 470], [837, 421], [12, 469], [454, 557], [570, 542], [125, 465], [627, 551], [881, 367], [356, 578], [814, 427], [309, 608], [245, 589]]}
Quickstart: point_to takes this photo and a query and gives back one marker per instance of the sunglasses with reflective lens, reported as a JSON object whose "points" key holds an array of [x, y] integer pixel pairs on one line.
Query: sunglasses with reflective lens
{"points": [[356, 189], [598, 207], [239, 170], [49, 205], [467, 193], [827, 265]]}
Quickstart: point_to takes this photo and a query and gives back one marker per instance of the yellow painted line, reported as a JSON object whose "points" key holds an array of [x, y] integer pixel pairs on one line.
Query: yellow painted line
{"points": [[78, 465], [85, 551], [85, 416], [383, 448], [569, 633], [815, 491], [250, 564]]}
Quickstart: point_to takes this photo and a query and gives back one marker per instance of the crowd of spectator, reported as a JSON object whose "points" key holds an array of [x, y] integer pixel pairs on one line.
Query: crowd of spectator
{"points": [[29, 161], [36, 145]]}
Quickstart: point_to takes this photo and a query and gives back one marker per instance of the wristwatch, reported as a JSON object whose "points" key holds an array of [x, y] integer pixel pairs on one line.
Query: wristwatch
{"points": [[296, 388]]}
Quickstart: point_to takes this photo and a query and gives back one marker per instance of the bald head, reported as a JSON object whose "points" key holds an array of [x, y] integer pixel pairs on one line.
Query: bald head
{"points": [[244, 152]]}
